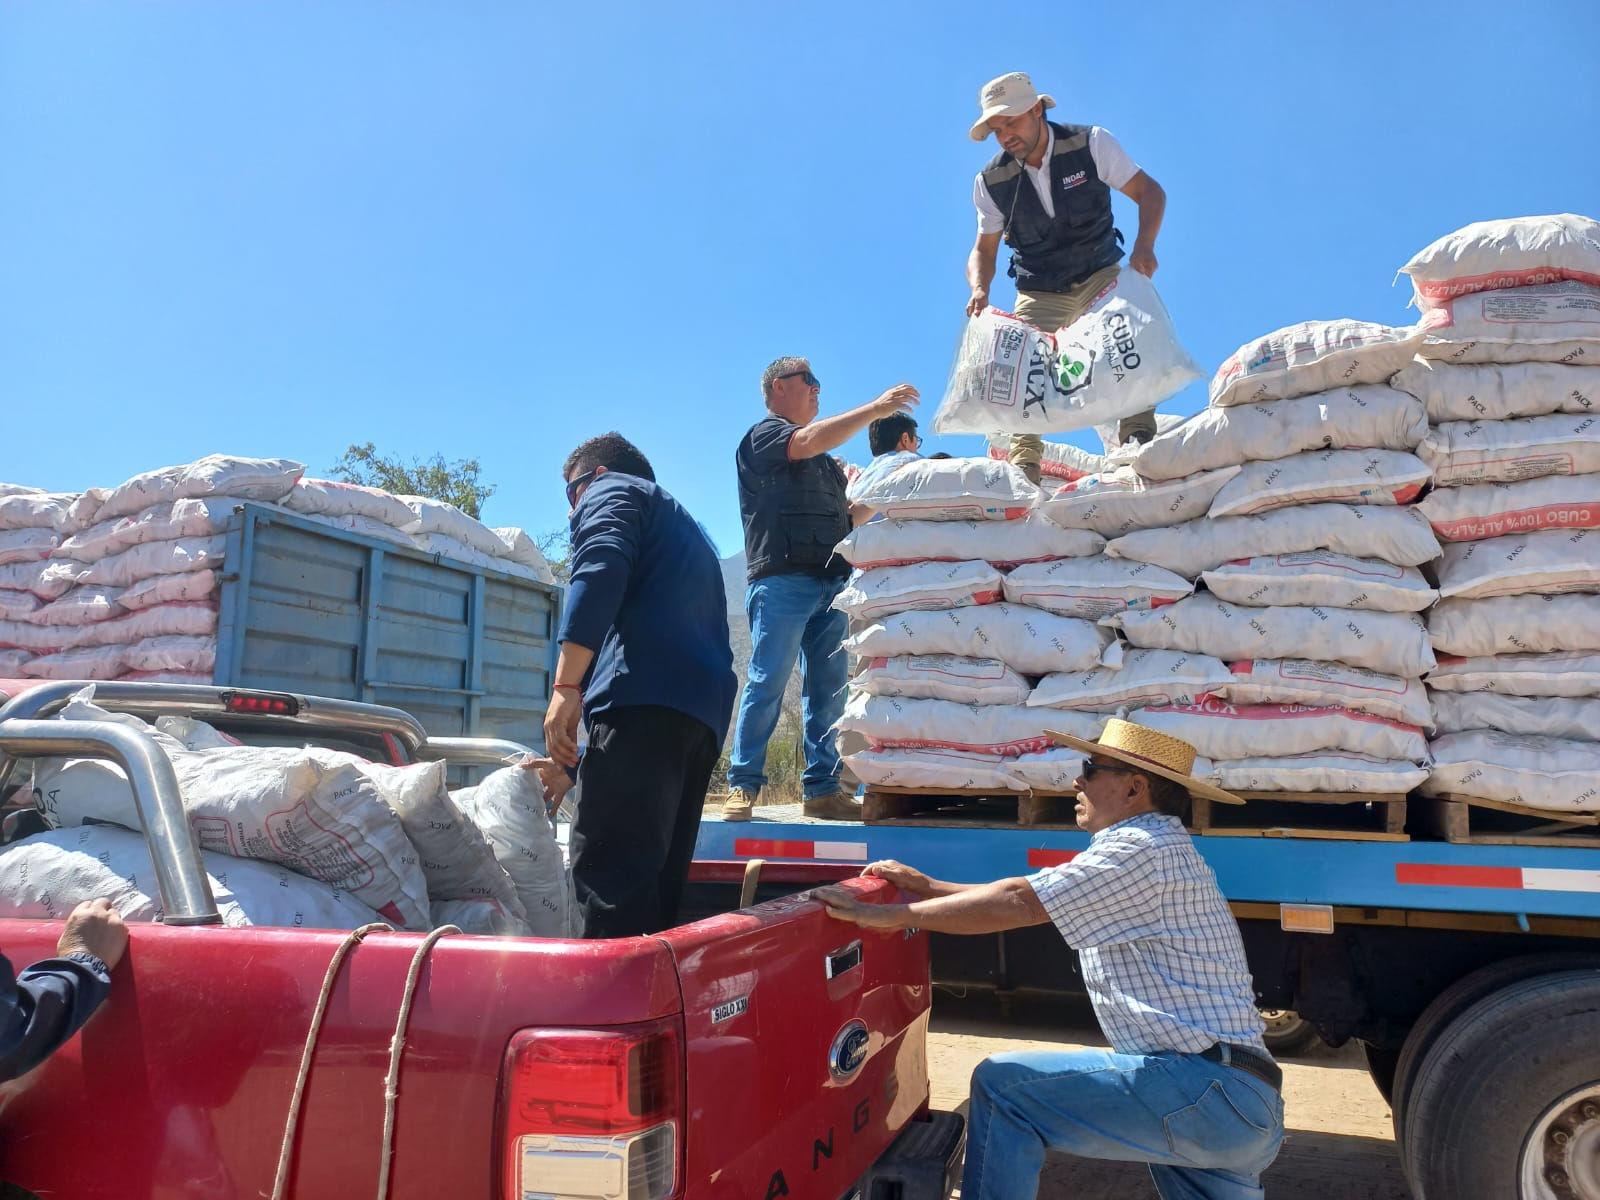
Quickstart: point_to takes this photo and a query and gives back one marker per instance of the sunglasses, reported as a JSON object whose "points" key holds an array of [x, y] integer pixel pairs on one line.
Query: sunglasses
{"points": [[811, 380], [1091, 769], [574, 485]]}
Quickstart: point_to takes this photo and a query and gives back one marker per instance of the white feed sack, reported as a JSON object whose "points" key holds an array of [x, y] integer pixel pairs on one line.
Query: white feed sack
{"points": [[191, 655], [1553, 322], [12, 662], [367, 527], [933, 767], [276, 804], [1496, 392], [47, 580], [27, 545], [483, 918], [1321, 577], [162, 620], [1492, 510], [81, 606], [435, 516], [1145, 677], [1227, 731], [1318, 684], [1539, 772], [1562, 673], [328, 497], [89, 662], [508, 807], [893, 543], [1057, 460], [184, 588], [891, 722], [952, 489], [1049, 772], [41, 639], [1395, 535], [1395, 643], [1573, 717], [48, 874], [1550, 562], [943, 677], [1373, 416], [1116, 502], [1313, 356], [25, 606], [1510, 253], [268, 479], [18, 489], [166, 522], [1093, 587], [448, 547], [1529, 624], [180, 557], [882, 591], [38, 510], [1469, 452], [1121, 357], [1028, 640], [1383, 477], [522, 549], [1322, 771]]}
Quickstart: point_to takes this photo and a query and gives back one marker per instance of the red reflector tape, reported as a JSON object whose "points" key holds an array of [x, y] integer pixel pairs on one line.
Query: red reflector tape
{"points": [[768, 848], [1436, 875], [1050, 858]]}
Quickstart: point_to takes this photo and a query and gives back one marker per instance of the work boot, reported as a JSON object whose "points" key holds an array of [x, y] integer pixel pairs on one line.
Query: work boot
{"points": [[738, 805], [835, 806]]}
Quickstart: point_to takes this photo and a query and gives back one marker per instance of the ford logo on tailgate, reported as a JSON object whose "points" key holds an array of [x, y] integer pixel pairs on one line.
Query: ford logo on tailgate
{"points": [[849, 1051]]}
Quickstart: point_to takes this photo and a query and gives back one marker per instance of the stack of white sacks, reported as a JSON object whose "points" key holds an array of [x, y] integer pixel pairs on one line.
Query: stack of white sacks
{"points": [[963, 598], [122, 583], [1510, 375], [1298, 667], [297, 837]]}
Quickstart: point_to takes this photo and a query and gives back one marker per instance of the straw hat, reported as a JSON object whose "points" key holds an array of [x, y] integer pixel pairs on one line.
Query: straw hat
{"points": [[1169, 757]]}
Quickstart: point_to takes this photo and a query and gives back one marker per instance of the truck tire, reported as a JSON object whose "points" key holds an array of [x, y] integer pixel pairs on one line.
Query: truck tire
{"points": [[1455, 1000], [1287, 1031], [1506, 1104], [1381, 1063]]}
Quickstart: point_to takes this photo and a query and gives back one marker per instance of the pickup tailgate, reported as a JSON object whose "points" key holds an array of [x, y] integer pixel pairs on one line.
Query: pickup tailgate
{"points": [[806, 1047]]}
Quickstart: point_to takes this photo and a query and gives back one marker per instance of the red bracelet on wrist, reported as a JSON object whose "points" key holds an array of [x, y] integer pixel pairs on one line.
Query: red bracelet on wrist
{"points": [[567, 687]]}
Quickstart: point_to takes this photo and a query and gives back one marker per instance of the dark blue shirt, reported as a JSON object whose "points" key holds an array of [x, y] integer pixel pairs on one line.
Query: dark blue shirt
{"points": [[46, 1006], [646, 595]]}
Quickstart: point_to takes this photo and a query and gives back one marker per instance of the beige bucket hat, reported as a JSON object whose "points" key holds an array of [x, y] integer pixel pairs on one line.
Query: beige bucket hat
{"points": [[1158, 753], [1009, 95]]}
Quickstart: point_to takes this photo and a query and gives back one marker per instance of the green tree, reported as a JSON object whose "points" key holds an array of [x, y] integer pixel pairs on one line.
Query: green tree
{"points": [[453, 482], [556, 546]]}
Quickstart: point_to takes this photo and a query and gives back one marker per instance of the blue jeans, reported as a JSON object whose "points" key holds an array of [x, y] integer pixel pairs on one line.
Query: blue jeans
{"points": [[789, 616], [1207, 1131]]}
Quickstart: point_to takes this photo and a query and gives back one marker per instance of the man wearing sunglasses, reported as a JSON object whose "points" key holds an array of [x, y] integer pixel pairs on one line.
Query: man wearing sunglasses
{"points": [[645, 662], [792, 499], [1047, 194], [1187, 1086], [894, 442]]}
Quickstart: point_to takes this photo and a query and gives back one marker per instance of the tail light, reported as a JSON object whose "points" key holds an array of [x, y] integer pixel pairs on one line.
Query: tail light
{"points": [[274, 704], [594, 1114]]}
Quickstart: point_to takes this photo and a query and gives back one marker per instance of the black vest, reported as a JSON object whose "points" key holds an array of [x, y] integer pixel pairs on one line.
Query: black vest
{"points": [[793, 516], [1051, 254]]}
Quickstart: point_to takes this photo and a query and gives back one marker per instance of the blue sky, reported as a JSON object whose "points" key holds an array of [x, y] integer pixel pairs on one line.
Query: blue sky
{"points": [[493, 229]]}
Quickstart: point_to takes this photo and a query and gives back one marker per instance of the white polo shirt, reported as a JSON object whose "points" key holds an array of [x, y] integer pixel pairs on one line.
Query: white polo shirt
{"points": [[1111, 163]]}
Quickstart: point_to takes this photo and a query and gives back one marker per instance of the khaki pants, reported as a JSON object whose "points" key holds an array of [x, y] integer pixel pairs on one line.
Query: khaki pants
{"points": [[1052, 310]]}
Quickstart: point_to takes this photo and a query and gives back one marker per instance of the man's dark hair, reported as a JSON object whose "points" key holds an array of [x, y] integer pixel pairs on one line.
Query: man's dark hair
{"points": [[940, 454], [611, 451], [885, 432], [1168, 796]]}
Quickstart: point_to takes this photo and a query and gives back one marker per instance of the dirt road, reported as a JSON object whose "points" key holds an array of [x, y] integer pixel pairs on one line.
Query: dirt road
{"points": [[1338, 1145]]}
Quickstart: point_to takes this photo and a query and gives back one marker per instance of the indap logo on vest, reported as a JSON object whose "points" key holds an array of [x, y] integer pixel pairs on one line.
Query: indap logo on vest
{"points": [[1073, 180]]}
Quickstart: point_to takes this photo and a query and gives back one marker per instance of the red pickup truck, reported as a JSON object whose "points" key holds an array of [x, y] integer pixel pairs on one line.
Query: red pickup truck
{"points": [[762, 1050]]}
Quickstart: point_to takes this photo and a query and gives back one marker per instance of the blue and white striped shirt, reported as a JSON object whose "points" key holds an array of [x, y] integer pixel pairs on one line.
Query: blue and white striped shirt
{"points": [[1160, 951]]}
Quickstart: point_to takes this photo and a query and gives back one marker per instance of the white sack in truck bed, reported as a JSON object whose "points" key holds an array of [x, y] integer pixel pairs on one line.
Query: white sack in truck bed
{"points": [[943, 677], [214, 475], [882, 591], [1513, 252], [1531, 624], [1550, 773], [1228, 731], [508, 806], [1552, 322], [1494, 392], [1121, 357], [1558, 674], [1112, 503], [1549, 562], [1384, 477], [276, 804], [1574, 717], [889, 722], [1093, 587], [1491, 510], [1306, 681], [1323, 771], [44, 876], [1463, 452], [1029, 640], [1313, 356], [1321, 577], [896, 543], [951, 489]]}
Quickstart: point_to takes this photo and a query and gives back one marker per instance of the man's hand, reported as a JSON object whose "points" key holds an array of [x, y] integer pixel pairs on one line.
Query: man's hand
{"points": [[561, 726], [553, 779], [901, 398], [978, 301], [844, 905], [94, 927], [907, 879], [1143, 260]]}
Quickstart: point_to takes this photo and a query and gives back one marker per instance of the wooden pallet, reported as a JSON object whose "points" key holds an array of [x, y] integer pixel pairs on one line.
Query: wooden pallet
{"points": [[1335, 816], [1474, 821], [977, 807]]}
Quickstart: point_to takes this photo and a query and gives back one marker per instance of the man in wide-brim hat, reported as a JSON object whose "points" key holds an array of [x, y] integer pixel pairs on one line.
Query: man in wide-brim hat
{"points": [[1188, 1085]]}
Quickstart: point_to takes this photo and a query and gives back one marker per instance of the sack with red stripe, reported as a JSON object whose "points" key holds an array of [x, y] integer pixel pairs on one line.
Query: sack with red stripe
{"points": [[1321, 577], [1548, 562], [1313, 356], [1511, 253], [1491, 510], [943, 677], [1116, 502], [1057, 460], [1463, 452], [932, 767], [1145, 677], [1220, 730], [1384, 477], [1306, 681], [1553, 773], [1093, 587], [1550, 322], [893, 722], [1028, 640], [932, 585], [952, 489], [1003, 544], [1559, 674], [1324, 771]]}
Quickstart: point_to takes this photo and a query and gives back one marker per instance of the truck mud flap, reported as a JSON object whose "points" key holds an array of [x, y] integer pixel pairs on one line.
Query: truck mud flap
{"points": [[924, 1163]]}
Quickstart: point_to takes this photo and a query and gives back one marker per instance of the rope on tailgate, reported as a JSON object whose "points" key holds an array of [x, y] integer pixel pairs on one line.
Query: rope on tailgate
{"points": [[397, 1045], [286, 1151]]}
